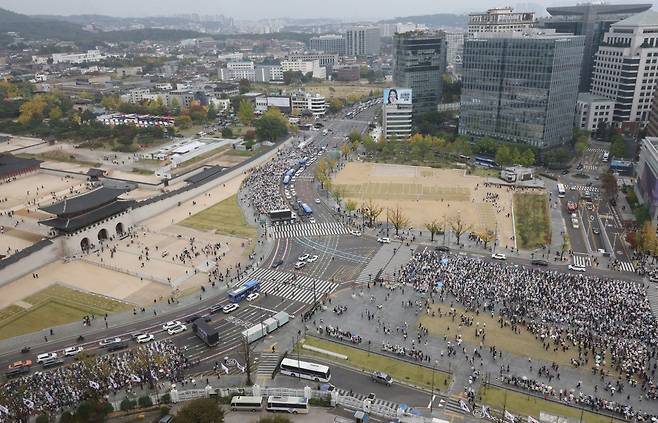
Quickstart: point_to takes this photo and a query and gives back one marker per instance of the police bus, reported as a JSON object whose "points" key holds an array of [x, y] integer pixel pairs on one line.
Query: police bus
{"points": [[246, 403], [305, 370], [292, 405], [241, 293]]}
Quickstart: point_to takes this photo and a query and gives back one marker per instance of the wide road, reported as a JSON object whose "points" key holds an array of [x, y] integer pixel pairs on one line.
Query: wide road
{"points": [[230, 326]]}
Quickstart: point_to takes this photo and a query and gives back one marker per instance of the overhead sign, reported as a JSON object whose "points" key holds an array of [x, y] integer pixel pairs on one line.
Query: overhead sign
{"points": [[397, 96]]}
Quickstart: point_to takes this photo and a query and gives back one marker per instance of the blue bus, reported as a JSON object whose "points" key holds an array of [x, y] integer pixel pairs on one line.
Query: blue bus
{"points": [[485, 161], [306, 208], [241, 293]]}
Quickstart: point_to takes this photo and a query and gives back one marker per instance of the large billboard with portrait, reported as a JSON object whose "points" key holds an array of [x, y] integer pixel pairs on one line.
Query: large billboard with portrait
{"points": [[397, 96]]}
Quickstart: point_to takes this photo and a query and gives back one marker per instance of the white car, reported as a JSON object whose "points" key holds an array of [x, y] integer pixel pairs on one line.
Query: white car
{"points": [[300, 264], [577, 268], [355, 232], [71, 351], [144, 338], [303, 257], [46, 357], [253, 296], [107, 341], [384, 240], [170, 324], [312, 259], [311, 220], [177, 329], [317, 201], [229, 308], [499, 256]]}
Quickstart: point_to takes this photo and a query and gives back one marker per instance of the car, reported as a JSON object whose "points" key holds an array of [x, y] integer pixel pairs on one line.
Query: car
{"points": [[317, 201], [311, 220], [300, 264], [72, 351], [277, 264], [46, 357], [443, 248], [192, 318], [303, 257], [384, 240], [117, 346], [17, 371], [170, 324], [20, 363], [499, 256], [177, 329], [253, 296], [144, 338], [355, 232], [312, 258], [538, 262], [230, 308], [108, 341], [216, 308], [381, 377], [577, 268], [565, 172]]}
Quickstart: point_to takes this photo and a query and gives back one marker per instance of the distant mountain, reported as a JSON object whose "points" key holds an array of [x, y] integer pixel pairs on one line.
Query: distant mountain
{"points": [[433, 21], [36, 28]]}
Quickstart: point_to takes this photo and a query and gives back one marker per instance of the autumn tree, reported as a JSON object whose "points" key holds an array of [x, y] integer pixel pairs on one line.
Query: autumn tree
{"points": [[203, 410], [350, 206], [397, 218], [371, 211], [434, 227], [646, 239], [32, 109], [459, 226], [486, 236], [609, 185]]}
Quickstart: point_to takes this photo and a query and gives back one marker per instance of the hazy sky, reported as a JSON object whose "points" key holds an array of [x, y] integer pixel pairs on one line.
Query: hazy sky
{"points": [[257, 9]]}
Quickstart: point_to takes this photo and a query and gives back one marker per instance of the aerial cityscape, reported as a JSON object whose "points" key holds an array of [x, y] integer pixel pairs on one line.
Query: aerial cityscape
{"points": [[277, 212]]}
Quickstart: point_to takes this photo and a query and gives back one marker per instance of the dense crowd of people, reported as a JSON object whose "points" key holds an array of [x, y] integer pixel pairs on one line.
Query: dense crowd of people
{"points": [[65, 387], [264, 183]]}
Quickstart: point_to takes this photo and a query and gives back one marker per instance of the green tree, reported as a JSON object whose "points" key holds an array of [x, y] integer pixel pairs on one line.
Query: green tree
{"points": [[67, 417], [527, 158], [92, 411], [504, 155], [183, 121], [227, 132], [245, 86], [212, 111], [55, 113], [43, 418], [617, 147], [246, 112], [200, 411], [271, 126], [609, 185]]}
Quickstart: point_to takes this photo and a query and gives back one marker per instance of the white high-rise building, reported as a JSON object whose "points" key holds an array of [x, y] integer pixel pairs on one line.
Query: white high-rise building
{"points": [[503, 19], [362, 41], [305, 67], [625, 67]]}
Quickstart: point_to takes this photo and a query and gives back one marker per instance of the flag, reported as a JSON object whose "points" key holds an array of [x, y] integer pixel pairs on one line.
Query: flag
{"points": [[485, 412], [28, 403], [532, 420], [464, 406], [4, 409], [509, 416], [224, 368], [94, 385]]}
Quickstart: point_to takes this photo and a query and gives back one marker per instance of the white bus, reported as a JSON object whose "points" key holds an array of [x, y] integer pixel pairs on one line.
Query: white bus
{"points": [[292, 405], [561, 190], [247, 403], [312, 371], [606, 156]]}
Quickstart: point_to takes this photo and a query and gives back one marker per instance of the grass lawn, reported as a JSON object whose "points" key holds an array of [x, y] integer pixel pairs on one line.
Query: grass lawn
{"points": [[240, 153], [523, 344], [532, 219], [55, 305], [527, 405], [57, 156], [484, 172], [398, 370], [225, 217]]}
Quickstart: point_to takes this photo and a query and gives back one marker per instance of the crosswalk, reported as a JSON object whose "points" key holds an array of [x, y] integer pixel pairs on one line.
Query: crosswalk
{"points": [[585, 188], [590, 167], [626, 266], [282, 284], [299, 230], [361, 397], [267, 363], [596, 150], [582, 260]]}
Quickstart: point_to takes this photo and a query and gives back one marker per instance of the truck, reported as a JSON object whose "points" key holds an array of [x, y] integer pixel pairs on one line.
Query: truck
{"points": [[271, 324], [254, 333], [205, 332], [282, 317]]}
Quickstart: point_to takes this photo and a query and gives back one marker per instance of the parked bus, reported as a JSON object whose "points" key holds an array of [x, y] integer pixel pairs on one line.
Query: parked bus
{"points": [[485, 161], [247, 403], [292, 405], [306, 208], [303, 369], [561, 190], [241, 293]]}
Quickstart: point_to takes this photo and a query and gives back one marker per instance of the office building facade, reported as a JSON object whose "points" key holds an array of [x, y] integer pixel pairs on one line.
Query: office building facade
{"points": [[362, 41], [419, 64], [625, 68], [521, 87], [591, 21], [331, 43], [593, 111], [454, 52], [503, 19]]}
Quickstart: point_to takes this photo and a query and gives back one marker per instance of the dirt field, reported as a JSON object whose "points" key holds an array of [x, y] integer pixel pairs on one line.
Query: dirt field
{"points": [[425, 194], [37, 188], [14, 239], [17, 142]]}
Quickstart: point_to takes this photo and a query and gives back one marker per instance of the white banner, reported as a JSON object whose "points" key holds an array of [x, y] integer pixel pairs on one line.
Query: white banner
{"points": [[464, 406], [224, 368], [509, 416]]}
